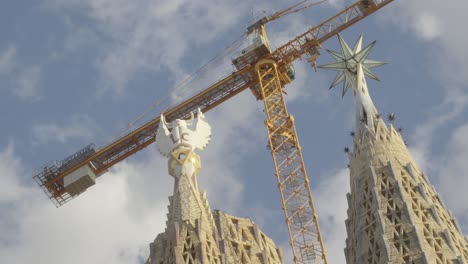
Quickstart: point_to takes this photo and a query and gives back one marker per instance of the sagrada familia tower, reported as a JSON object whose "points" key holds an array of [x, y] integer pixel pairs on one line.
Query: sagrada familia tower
{"points": [[194, 234], [394, 214]]}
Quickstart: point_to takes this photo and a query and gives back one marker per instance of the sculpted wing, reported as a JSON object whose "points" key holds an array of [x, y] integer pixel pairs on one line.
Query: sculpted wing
{"points": [[202, 134], [163, 138]]}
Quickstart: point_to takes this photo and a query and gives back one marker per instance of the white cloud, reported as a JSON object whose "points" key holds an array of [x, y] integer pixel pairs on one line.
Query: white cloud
{"points": [[81, 127], [114, 221], [437, 23], [79, 38], [337, 3], [331, 203], [142, 37], [146, 36], [26, 79], [28, 84], [428, 26], [7, 60], [222, 158], [452, 107], [452, 174], [9, 167], [96, 228], [424, 23]]}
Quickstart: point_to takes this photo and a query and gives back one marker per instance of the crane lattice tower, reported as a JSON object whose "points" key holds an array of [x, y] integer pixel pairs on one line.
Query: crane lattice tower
{"points": [[395, 215]]}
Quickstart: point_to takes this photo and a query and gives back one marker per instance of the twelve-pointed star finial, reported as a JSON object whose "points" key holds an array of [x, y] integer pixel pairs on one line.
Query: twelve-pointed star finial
{"points": [[347, 62]]}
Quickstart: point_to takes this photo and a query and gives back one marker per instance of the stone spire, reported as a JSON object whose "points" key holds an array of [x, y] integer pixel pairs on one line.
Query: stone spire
{"points": [[194, 234], [395, 215], [190, 235], [353, 66]]}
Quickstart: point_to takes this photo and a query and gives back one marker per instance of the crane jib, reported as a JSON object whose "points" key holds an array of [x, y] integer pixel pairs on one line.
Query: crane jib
{"points": [[306, 44]]}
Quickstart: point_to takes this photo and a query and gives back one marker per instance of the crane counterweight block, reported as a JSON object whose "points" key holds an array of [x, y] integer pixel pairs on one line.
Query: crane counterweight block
{"points": [[79, 180], [73, 183]]}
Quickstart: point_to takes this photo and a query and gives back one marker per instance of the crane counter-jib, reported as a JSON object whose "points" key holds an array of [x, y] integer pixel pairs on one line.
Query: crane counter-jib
{"points": [[144, 135]]}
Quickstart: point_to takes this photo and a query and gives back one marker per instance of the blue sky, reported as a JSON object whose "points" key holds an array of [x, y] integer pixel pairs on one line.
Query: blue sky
{"points": [[75, 72]]}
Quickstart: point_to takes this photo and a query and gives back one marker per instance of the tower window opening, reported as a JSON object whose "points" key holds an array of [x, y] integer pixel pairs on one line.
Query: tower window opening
{"points": [[182, 156], [364, 115]]}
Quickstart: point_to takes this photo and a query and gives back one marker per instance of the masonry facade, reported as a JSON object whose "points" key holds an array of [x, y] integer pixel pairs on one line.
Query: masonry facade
{"points": [[395, 215]]}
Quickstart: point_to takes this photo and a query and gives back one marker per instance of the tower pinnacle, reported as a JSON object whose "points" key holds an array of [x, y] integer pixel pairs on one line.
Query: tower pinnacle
{"points": [[177, 141], [394, 214], [194, 234], [353, 67]]}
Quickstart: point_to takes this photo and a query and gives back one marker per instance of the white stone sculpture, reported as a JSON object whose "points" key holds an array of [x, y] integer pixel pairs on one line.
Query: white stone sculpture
{"points": [[194, 133]]}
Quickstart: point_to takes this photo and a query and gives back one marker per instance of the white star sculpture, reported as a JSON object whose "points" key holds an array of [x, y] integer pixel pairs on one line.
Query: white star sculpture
{"points": [[347, 62]]}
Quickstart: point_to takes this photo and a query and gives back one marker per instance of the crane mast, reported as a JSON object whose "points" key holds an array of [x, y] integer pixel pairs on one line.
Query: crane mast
{"points": [[265, 73]]}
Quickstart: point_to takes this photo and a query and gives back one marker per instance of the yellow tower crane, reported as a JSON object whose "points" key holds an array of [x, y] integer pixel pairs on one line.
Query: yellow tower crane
{"points": [[265, 72]]}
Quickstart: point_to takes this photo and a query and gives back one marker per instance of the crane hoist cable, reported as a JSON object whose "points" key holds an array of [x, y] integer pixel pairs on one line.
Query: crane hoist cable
{"points": [[185, 84], [290, 10], [213, 62]]}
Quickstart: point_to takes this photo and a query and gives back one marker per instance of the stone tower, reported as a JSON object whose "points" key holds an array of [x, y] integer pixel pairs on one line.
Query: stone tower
{"points": [[194, 234], [395, 215]]}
